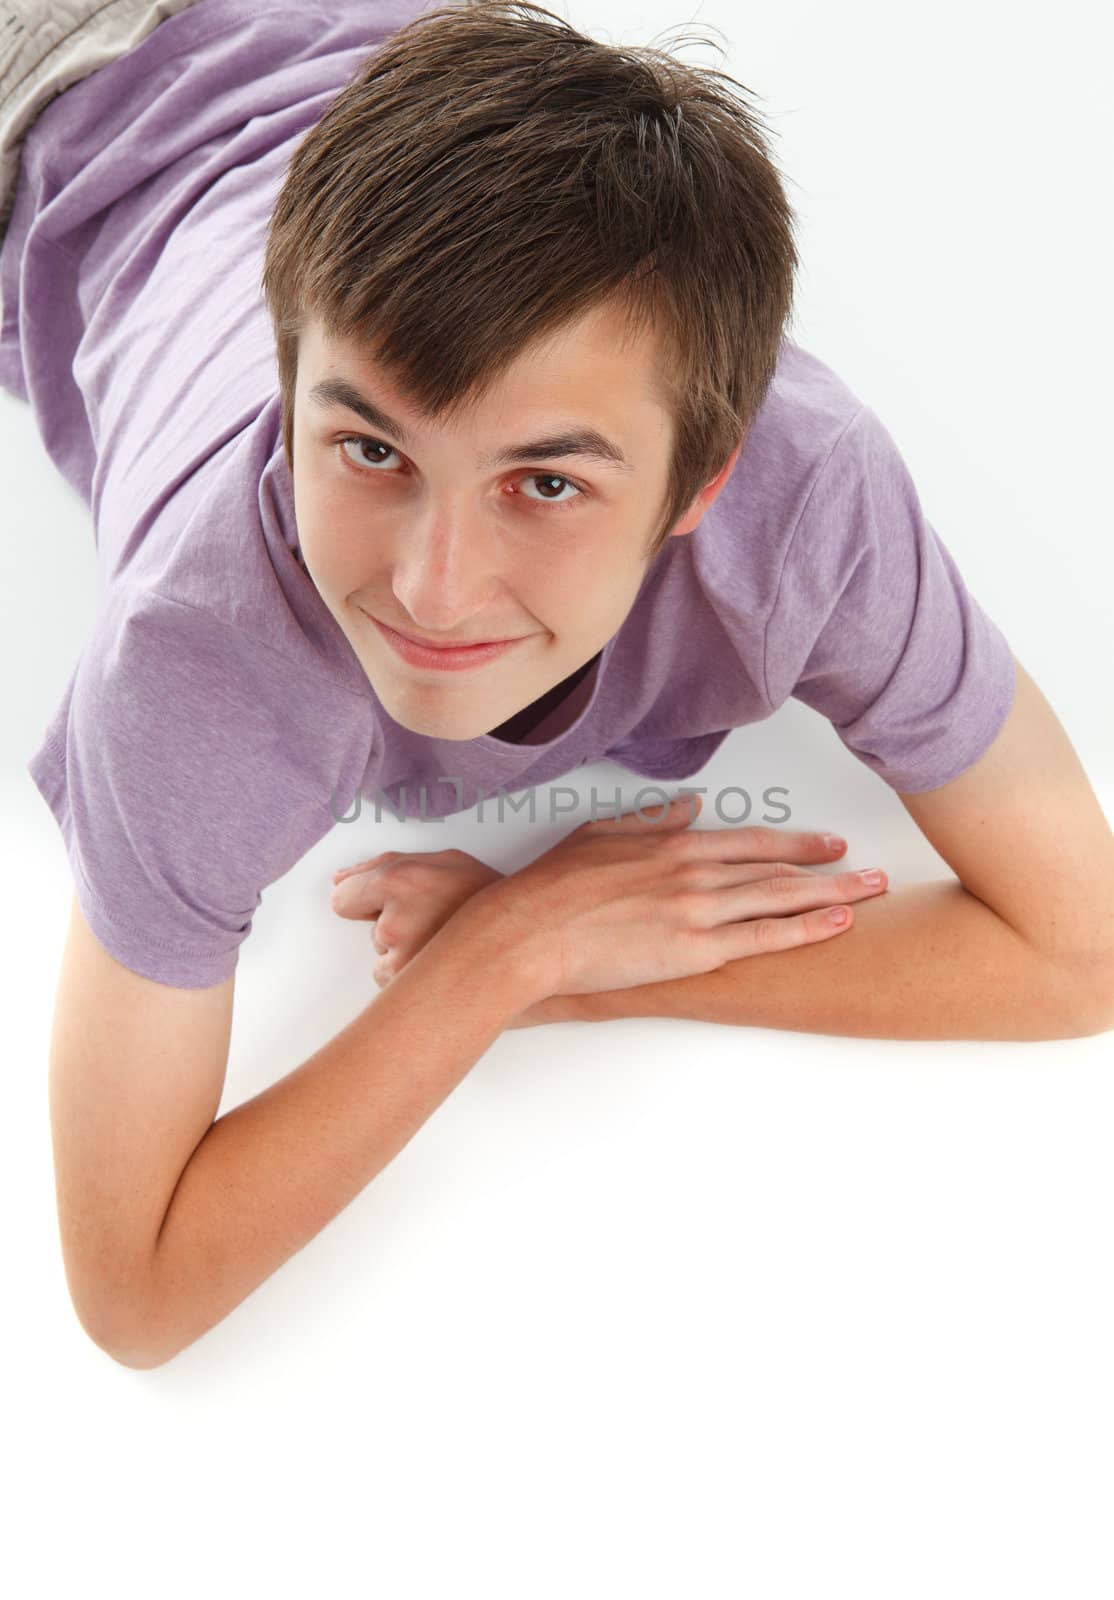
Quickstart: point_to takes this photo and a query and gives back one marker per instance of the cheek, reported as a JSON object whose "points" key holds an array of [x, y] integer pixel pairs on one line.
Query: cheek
{"points": [[332, 541], [319, 493], [589, 592]]}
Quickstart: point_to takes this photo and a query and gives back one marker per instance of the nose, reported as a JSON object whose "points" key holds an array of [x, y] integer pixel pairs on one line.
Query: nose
{"points": [[443, 576]]}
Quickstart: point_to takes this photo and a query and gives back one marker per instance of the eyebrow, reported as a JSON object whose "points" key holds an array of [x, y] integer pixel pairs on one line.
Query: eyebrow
{"points": [[575, 440]]}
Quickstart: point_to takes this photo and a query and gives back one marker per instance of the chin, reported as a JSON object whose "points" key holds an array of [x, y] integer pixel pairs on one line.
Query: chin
{"points": [[455, 729]]}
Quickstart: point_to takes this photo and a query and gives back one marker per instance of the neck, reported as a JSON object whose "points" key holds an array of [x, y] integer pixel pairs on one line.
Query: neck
{"points": [[515, 729]]}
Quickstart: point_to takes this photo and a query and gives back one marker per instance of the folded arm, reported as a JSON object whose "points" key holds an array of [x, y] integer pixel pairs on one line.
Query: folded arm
{"points": [[929, 961], [1018, 945]]}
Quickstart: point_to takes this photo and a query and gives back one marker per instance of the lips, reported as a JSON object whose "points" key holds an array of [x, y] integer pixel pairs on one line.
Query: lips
{"points": [[441, 644], [442, 657], [450, 644]]}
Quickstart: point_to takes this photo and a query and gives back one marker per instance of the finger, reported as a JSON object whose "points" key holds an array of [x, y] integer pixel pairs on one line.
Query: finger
{"points": [[388, 856], [675, 813], [365, 866], [785, 896], [764, 935], [384, 970], [361, 898], [756, 843], [706, 875]]}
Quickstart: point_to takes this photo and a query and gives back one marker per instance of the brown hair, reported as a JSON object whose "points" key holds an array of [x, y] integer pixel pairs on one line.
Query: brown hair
{"points": [[491, 173]]}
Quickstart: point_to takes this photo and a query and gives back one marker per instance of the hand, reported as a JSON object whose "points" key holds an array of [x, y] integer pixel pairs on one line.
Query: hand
{"points": [[639, 898], [407, 898]]}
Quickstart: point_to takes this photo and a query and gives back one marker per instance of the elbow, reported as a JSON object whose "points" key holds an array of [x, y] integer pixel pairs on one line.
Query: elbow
{"points": [[135, 1354], [125, 1350], [1073, 993], [125, 1340], [1093, 985], [1099, 1016]]}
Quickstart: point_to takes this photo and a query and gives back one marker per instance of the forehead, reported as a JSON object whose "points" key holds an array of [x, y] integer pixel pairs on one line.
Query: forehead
{"points": [[600, 343], [596, 373]]}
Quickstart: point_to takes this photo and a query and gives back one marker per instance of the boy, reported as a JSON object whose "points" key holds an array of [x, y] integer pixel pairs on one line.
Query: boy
{"points": [[490, 249]]}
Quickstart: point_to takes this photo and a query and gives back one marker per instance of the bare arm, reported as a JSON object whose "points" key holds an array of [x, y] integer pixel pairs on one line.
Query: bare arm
{"points": [[169, 1218], [269, 1175], [1018, 945], [927, 961]]}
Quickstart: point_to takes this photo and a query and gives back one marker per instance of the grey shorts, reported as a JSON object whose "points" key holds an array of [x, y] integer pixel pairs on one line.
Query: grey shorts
{"points": [[47, 45]]}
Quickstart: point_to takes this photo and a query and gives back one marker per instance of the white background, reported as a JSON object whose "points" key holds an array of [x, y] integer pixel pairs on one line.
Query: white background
{"points": [[650, 1307]]}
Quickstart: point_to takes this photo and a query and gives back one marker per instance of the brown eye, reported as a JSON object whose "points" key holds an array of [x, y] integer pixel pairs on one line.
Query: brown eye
{"points": [[367, 444], [551, 478], [363, 462]]}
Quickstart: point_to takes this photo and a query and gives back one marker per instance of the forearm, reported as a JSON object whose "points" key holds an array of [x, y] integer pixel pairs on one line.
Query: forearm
{"points": [[270, 1174], [929, 961]]}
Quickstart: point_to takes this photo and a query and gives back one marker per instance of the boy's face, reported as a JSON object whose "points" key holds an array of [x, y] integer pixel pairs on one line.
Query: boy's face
{"points": [[427, 532]]}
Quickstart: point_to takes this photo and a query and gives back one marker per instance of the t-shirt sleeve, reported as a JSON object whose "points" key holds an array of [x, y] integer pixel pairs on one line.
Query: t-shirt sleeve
{"points": [[171, 771], [874, 628]]}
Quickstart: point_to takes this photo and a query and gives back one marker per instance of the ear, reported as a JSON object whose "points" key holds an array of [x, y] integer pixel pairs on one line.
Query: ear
{"points": [[695, 514]]}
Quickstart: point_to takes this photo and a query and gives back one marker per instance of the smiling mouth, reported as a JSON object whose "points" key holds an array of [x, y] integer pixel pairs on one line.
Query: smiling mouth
{"points": [[453, 644]]}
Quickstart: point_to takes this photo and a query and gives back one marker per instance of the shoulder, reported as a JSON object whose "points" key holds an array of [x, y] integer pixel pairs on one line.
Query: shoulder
{"points": [[190, 767], [807, 409], [809, 416], [178, 692]]}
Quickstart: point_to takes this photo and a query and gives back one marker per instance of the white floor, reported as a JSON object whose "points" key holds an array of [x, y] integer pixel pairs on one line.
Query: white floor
{"points": [[649, 1308]]}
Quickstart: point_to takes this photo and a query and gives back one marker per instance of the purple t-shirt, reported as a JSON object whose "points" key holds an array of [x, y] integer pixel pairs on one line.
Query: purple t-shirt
{"points": [[217, 723]]}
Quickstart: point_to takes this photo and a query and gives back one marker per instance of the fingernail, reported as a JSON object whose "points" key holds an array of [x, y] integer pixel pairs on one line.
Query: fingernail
{"points": [[832, 841]]}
